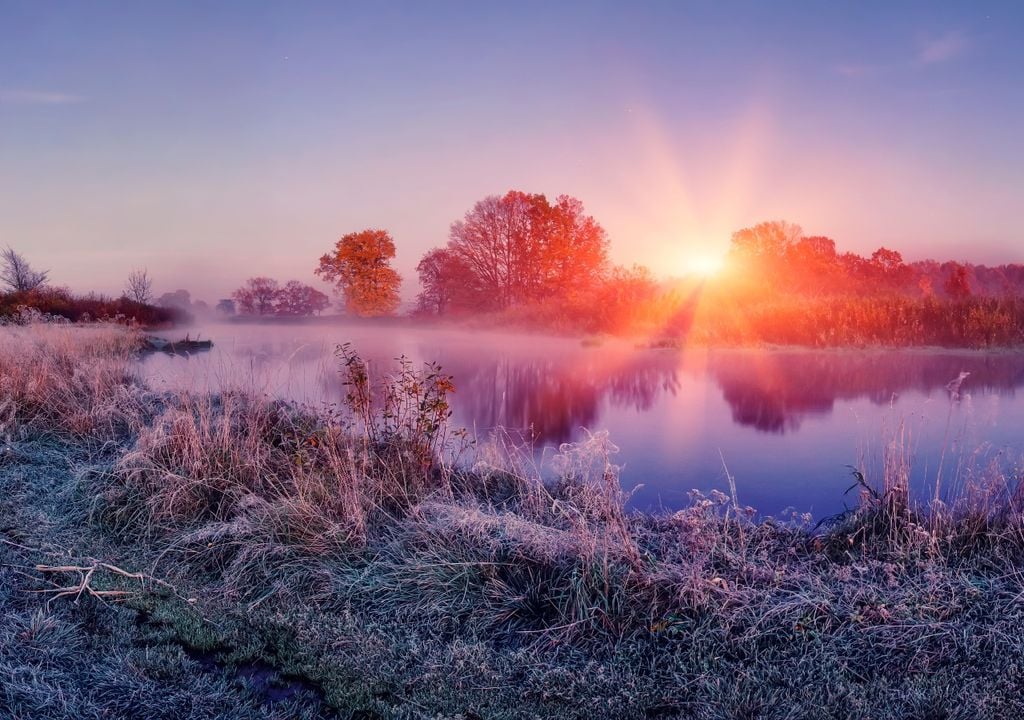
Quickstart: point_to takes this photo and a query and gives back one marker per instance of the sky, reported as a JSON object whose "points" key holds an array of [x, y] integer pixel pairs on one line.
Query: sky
{"points": [[212, 141]]}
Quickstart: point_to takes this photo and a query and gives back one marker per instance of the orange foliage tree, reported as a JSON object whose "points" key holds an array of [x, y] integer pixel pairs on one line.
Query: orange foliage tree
{"points": [[360, 268], [515, 250]]}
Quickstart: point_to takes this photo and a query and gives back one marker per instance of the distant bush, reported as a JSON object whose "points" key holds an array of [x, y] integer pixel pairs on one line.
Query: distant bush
{"points": [[53, 304]]}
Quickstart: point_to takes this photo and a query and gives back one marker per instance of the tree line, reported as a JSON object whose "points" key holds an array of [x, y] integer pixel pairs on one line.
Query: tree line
{"points": [[776, 258], [264, 296], [523, 258]]}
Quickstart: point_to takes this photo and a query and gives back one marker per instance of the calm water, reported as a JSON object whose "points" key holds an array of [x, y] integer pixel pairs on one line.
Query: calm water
{"points": [[786, 423]]}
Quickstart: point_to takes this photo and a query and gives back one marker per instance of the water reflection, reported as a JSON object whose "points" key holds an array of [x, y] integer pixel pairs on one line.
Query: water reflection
{"points": [[787, 422], [771, 392], [552, 389], [775, 392], [552, 399]]}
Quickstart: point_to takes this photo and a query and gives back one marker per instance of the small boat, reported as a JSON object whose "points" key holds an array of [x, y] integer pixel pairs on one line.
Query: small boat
{"points": [[178, 347]]}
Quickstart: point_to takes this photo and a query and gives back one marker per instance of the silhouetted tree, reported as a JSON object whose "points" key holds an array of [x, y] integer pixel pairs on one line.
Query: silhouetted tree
{"points": [[226, 307], [139, 287], [360, 268], [257, 296], [497, 242], [855, 269], [300, 300], [17, 274], [179, 299]]}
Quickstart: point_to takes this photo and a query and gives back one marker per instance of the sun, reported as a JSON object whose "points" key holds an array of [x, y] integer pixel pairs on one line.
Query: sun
{"points": [[703, 265]]}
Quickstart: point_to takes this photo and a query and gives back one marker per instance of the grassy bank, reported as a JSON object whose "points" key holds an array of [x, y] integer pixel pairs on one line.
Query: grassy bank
{"points": [[337, 553]]}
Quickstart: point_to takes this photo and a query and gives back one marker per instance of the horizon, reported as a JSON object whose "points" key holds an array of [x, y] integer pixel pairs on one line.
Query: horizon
{"points": [[210, 150]]}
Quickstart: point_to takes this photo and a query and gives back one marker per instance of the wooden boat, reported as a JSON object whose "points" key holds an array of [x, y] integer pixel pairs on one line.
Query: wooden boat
{"points": [[187, 346]]}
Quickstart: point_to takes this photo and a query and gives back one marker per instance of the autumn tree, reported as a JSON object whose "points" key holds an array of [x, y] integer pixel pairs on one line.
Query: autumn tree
{"points": [[625, 298], [888, 267], [760, 258], [139, 287], [924, 284], [360, 268], [957, 285], [574, 250], [440, 272], [816, 250], [516, 249], [299, 300], [765, 243], [494, 242], [257, 296], [813, 264], [17, 274], [886, 261]]}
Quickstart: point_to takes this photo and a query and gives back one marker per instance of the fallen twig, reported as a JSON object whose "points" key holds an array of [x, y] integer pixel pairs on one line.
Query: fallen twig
{"points": [[86, 574]]}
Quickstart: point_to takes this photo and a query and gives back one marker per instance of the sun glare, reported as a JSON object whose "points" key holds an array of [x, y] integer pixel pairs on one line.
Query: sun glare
{"points": [[704, 265]]}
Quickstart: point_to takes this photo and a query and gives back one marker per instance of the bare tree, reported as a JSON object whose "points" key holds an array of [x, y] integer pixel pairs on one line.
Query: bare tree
{"points": [[17, 274], [139, 287]]}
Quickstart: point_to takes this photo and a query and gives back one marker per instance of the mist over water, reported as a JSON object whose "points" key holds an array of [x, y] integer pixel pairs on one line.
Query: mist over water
{"points": [[786, 423]]}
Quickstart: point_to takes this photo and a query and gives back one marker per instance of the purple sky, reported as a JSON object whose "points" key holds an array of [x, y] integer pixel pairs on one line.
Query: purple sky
{"points": [[213, 141]]}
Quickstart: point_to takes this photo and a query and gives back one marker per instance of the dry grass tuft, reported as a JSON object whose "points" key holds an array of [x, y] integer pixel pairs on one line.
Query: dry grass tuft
{"points": [[75, 382]]}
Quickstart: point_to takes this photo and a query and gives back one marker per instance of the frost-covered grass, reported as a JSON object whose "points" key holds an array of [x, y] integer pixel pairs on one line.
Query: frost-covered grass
{"points": [[340, 548]]}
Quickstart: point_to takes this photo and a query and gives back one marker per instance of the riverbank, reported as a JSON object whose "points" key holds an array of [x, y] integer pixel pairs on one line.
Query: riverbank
{"points": [[336, 549], [713, 319]]}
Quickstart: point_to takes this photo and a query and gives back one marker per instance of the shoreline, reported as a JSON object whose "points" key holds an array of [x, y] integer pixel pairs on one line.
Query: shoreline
{"points": [[588, 340]]}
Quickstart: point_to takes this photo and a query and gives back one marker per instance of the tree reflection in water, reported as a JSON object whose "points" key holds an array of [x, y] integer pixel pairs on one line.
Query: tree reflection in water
{"points": [[547, 392], [673, 413], [550, 398], [547, 400], [775, 391], [553, 400]]}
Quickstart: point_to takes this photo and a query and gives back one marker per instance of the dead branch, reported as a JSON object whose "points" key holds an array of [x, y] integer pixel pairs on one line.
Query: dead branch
{"points": [[86, 573]]}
